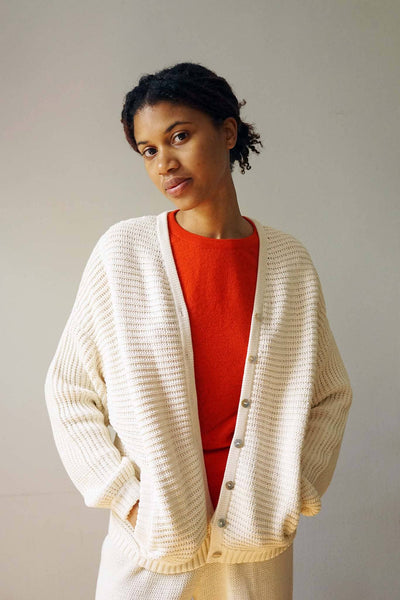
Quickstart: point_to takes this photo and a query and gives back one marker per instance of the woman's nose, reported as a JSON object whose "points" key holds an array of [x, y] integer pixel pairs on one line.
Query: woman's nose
{"points": [[166, 161]]}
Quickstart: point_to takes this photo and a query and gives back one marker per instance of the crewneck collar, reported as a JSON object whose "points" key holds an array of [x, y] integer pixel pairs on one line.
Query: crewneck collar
{"points": [[177, 230]]}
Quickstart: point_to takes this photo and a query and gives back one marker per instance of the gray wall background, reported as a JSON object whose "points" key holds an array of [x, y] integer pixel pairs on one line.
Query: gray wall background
{"points": [[321, 80]]}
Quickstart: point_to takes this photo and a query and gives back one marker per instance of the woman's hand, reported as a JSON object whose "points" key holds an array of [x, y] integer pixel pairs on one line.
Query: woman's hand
{"points": [[132, 517]]}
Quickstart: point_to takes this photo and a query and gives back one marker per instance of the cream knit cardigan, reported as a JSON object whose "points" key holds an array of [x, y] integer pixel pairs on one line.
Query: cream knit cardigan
{"points": [[125, 359]]}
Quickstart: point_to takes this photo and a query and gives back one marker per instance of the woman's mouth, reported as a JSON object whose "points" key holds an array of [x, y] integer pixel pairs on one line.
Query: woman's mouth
{"points": [[176, 190]]}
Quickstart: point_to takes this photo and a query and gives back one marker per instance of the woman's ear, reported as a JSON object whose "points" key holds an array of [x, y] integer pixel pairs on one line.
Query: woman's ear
{"points": [[230, 129]]}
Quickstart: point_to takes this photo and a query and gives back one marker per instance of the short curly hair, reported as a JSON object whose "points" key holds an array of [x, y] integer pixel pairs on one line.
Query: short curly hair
{"points": [[195, 86]]}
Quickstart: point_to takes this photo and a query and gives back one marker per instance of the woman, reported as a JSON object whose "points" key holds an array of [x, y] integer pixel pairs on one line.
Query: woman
{"points": [[202, 337]]}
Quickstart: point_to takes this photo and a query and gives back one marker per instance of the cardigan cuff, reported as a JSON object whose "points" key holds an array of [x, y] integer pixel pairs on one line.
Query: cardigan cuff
{"points": [[310, 499], [128, 496]]}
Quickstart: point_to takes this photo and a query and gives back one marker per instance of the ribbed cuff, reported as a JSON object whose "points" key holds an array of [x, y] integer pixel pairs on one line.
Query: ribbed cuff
{"points": [[127, 497], [310, 499]]}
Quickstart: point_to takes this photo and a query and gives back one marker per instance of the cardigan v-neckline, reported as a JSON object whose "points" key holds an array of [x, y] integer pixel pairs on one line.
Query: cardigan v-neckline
{"points": [[251, 354]]}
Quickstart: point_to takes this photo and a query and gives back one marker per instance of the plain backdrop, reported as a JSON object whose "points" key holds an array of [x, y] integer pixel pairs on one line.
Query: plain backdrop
{"points": [[321, 80]]}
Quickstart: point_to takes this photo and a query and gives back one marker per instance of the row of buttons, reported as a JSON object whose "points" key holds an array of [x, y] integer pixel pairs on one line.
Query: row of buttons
{"points": [[238, 443]]}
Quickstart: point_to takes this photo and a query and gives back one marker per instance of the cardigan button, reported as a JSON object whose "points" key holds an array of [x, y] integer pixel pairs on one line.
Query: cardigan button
{"points": [[253, 359], [221, 522], [245, 402], [217, 554], [230, 485], [238, 443]]}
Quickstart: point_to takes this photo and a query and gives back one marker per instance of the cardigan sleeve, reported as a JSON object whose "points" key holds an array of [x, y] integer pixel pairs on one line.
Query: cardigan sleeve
{"points": [[331, 401], [75, 393]]}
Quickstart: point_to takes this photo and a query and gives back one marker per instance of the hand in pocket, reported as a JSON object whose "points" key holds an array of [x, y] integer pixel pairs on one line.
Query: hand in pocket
{"points": [[132, 517]]}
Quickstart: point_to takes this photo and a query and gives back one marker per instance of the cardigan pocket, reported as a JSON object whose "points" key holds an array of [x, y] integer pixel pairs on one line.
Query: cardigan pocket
{"points": [[123, 534], [133, 529], [140, 534], [289, 521], [137, 516], [290, 525]]}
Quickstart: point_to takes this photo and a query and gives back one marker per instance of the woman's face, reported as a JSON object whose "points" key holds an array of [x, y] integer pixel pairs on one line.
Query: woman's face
{"points": [[182, 148]]}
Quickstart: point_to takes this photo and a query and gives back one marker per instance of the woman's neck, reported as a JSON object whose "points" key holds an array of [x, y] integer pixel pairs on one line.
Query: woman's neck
{"points": [[215, 222]]}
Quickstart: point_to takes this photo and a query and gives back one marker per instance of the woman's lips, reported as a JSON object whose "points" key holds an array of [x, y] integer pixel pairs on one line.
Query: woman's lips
{"points": [[176, 190]]}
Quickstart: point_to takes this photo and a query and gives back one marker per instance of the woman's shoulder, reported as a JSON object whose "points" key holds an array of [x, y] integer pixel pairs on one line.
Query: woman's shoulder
{"points": [[131, 225], [285, 246], [128, 234]]}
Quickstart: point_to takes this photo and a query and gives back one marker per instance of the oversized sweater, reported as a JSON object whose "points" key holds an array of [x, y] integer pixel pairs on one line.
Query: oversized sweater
{"points": [[219, 302], [125, 359]]}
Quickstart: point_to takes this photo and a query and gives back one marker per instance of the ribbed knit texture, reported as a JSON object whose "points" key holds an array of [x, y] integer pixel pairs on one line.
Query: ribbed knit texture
{"points": [[218, 279], [125, 358]]}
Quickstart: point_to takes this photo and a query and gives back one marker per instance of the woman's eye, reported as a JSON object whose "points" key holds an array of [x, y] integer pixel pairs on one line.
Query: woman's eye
{"points": [[145, 152], [182, 133]]}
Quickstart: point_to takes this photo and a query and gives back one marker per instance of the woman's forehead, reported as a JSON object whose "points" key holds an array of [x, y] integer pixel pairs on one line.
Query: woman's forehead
{"points": [[164, 114]]}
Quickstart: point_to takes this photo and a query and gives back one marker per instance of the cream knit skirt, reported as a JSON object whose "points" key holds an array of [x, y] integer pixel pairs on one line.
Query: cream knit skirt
{"points": [[266, 580]]}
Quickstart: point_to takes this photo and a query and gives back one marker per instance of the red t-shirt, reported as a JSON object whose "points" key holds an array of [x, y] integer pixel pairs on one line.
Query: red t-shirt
{"points": [[218, 279]]}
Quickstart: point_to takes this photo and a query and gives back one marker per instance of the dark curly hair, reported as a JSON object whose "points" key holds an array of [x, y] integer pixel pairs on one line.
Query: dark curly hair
{"points": [[195, 86]]}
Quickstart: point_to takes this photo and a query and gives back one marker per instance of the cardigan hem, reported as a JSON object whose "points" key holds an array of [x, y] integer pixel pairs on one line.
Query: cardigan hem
{"points": [[123, 539]]}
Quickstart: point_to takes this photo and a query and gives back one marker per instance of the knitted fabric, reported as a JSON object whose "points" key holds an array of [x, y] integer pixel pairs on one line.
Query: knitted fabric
{"points": [[125, 358]]}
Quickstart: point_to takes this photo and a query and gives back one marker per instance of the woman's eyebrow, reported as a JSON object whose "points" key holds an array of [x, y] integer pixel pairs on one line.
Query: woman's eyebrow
{"points": [[168, 129]]}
